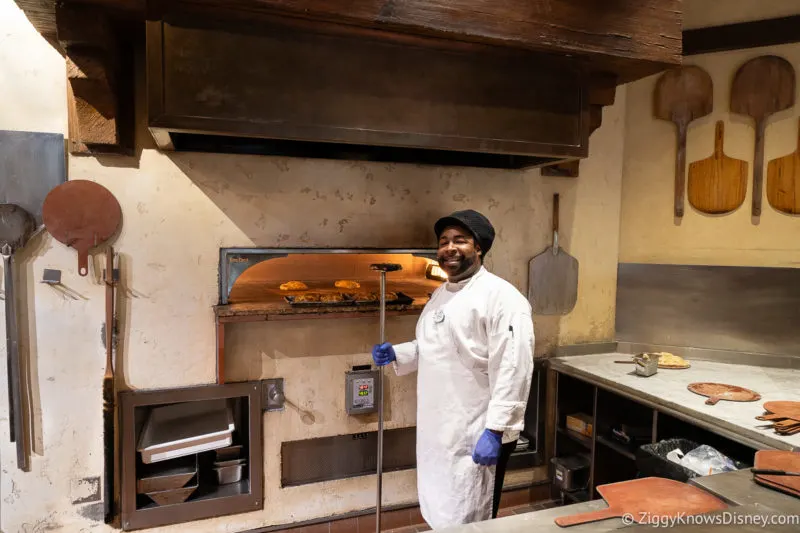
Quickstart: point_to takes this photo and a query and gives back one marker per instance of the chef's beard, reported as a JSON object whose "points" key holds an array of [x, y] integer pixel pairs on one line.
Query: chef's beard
{"points": [[464, 266]]}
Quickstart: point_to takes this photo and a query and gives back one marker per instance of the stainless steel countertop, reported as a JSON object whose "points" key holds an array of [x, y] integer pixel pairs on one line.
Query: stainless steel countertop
{"points": [[667, 392], [751, 505]]}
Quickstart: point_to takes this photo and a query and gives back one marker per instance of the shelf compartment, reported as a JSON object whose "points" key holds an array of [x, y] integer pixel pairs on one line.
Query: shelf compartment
{"points": [[583, 440], [578, 496], [626, 451], [210, 499]]}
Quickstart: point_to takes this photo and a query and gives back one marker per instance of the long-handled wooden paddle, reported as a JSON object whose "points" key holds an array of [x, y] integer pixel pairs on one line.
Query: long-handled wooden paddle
{"points": [[682, 95], [717, 184], [762, 86], [783, 182]]}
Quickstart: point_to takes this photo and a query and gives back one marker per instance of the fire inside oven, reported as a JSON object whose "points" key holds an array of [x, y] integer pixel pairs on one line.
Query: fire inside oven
{"points": [[325, 279]]}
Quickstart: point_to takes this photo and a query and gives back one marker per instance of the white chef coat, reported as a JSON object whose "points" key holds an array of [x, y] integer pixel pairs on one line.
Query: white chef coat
{"points": [[474, 356]]}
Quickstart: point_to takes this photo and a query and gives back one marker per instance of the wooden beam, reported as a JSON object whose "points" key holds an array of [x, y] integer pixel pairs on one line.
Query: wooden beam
{"points": [[99, 100], [633, 38], [743, 35]]}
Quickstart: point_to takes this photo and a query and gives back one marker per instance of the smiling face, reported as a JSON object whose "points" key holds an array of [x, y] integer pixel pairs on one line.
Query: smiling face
{"points": [[458, 254]]}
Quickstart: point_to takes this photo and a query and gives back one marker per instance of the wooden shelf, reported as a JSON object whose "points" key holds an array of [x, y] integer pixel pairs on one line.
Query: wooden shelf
{"points": [[625, 451], [577, 437]]}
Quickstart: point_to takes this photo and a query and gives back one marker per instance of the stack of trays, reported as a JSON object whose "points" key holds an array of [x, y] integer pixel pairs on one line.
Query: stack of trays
{"points": [[168, 482], [184, 429], [229, 465]]}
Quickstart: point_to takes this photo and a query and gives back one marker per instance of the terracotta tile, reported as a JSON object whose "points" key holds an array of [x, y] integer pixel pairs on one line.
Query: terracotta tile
{"points": [[348, 525]]}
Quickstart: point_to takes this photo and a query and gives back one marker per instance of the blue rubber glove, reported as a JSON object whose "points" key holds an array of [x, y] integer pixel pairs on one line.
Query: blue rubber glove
{"points": [[383, 354], [487, 451]]}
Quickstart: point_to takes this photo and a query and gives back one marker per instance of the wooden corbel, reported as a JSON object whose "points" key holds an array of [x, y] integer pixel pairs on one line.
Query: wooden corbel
{"points": [[99, 101], [602, 91]]}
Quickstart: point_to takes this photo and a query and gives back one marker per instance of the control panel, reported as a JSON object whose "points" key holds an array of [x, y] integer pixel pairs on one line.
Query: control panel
{"points": [[361, 390]]}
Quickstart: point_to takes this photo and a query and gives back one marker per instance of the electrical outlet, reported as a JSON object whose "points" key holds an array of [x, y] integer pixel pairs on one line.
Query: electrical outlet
{"points": [[272, 394]]}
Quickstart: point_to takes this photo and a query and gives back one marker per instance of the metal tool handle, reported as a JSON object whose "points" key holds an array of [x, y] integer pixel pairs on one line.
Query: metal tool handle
{"points": [[15, 376], [555, 224], [380, 408], [10, 329]]}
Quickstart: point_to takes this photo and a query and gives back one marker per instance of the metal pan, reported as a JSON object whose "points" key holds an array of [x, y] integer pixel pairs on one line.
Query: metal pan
{"points": [[291, 299], [402, 299]]}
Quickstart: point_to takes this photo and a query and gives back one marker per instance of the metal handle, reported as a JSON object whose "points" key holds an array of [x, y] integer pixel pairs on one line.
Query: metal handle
{"points": [[380, 408]]}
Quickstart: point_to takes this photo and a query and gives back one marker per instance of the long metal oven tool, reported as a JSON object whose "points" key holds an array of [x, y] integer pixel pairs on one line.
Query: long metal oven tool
{"points": [[383, 268]]}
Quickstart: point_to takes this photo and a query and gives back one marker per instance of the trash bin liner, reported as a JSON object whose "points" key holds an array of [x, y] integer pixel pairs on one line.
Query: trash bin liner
{"points": [[651, 460]]}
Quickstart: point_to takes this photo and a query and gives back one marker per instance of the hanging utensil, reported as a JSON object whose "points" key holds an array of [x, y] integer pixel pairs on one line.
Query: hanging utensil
{"points": [[783, 182], [553, 277], [761, 87], [111, 277], [16, 227], [81, 214], [383, 268], [717, 184], [681, 96]]}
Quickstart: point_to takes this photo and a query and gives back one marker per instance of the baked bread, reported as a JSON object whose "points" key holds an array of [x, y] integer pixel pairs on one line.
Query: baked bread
{"points": [[666, 359], [294, 286], [374, 296], [331, 297], [365, 296], [347, 284], [307, 297]]}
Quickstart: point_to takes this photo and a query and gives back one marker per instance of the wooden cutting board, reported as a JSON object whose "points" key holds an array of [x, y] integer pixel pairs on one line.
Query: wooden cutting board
{"points": [[721, 391], [648, 499], [783, 182], [762, 86], [778, 460], [718, 184]]}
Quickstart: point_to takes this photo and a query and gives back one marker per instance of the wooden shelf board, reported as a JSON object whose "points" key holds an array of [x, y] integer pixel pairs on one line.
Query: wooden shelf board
{"points": [[617, 447], [577, 437]]}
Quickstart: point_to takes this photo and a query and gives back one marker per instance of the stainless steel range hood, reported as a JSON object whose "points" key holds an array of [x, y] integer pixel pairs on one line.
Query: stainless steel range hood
{"points": [[312, 91]]}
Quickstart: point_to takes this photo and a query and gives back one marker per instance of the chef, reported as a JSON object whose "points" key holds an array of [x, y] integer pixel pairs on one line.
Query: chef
{"points": [[473, 354]]}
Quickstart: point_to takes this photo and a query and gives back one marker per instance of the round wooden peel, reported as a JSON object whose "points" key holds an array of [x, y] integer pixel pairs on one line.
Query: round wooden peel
{"points": [[682, 95], [81, 214], [762, 86], [648, 500], [721, 391]]}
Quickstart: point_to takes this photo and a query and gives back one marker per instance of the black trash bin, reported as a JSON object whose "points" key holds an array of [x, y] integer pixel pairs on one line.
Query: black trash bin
{"points": [[651, 460]]}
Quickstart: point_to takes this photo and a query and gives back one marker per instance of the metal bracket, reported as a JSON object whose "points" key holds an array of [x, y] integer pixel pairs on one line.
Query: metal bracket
{"points": [[272, 394]]}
